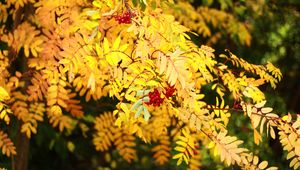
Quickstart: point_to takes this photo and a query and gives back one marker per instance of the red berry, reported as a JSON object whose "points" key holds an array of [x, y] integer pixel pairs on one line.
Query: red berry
{"points": [[155, 98], [124, 18], [170, 91]]}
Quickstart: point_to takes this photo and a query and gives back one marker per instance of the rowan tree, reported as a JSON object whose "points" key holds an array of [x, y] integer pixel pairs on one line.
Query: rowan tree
{"points": [[59, 55]]}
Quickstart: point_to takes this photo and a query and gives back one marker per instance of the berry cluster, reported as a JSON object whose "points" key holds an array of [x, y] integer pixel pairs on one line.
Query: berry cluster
{"points": [[124, 18], [155, 98], [169, 91]]}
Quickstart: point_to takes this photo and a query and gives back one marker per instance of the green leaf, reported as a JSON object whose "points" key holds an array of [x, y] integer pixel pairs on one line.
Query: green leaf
{"points": [[146, 114], [136, 104], [146, 99], [139, 111], [141, 93], [71, 146]]}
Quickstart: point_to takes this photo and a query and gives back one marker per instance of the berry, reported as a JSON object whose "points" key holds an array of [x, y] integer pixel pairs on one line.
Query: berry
{"points": [[155, 98], [125, 18], [170, 91]]}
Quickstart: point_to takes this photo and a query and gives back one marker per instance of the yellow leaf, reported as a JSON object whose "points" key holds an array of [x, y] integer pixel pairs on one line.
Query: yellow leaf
{"points": [[290, 155], [123, 47], [179, 155], [272, 133], [293, 162], [296, 124], [56, 110], [186, 159], [96, 3], [26, 50], [145, 2], [261, 104], [2, 114], [173, 77], [181, 143], [3, 94], [249, 110], [184, 139], [266, 110], [33, 51], [263, 121], [296, 166], [180, 149], [71, 146], [192, 120], [113, 58], [124, 108], [61, 103], [263, 165], [255, 119], [106, 45], [163, 64], [116, 43], [92, 82], [179, 161], [257, 137], [255, 160], [211, 145]]}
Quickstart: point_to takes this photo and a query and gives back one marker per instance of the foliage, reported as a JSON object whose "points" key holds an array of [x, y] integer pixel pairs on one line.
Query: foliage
{"points": [[71, 53], [210, 23]]}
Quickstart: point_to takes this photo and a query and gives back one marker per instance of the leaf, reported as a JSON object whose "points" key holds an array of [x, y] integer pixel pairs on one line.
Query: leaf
{"points": [[182, 143], [266, 110], [163, 64], [139, 111], [293, 162], [3, 94], [92, 82], [105, 46], [97, 4], [255, 119], [136, 104], [290, 155], [296, 166], [140, 93], [260, 104], [116, 43], [26, 50], [146, 114], [211, 145], [272, 133], [146, 99], [124, 108], [180, 149], [179, 155], [263, 121], [249, 110], [145, 2], [70, 146], [186, 159], [263, 165], [192, 120], [255, 160]]}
